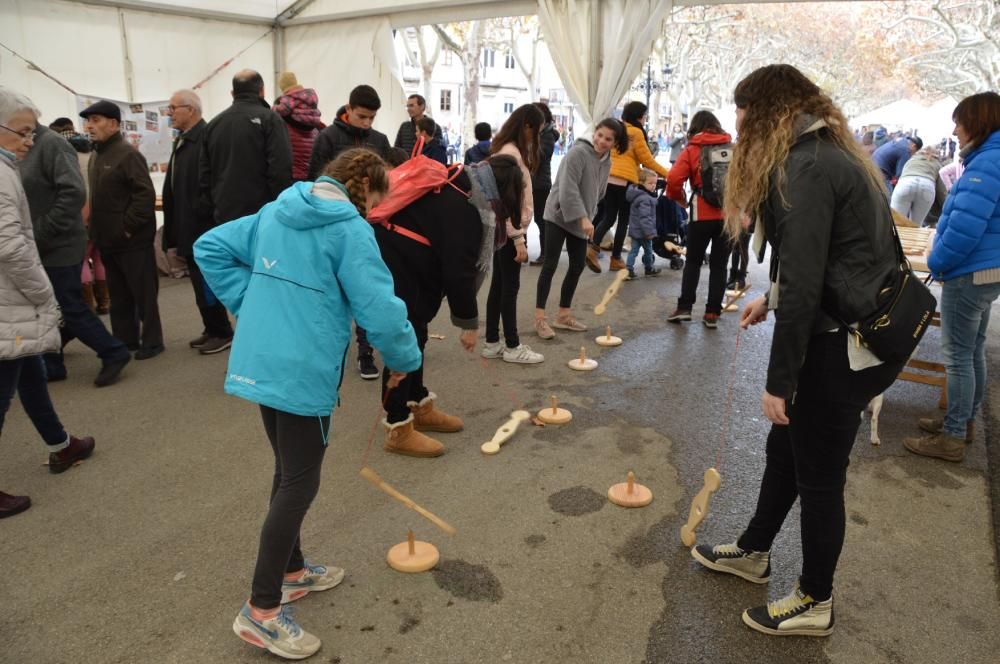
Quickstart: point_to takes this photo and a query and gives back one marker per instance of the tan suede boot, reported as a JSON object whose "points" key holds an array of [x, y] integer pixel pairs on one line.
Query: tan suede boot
{"points": [[400, 438], [939, 446], [103, 298], [427, 418], [88, 295]]}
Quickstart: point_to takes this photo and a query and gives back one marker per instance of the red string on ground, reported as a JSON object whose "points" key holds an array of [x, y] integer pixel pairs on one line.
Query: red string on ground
{"points": [[728, 416]]}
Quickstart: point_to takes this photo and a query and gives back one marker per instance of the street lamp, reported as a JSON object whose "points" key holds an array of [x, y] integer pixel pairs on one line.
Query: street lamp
{"points": [[649, 85]]}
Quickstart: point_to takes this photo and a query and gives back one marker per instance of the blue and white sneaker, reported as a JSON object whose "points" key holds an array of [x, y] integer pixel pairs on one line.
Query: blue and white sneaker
{"points": [[316, 578], [280, 635]]}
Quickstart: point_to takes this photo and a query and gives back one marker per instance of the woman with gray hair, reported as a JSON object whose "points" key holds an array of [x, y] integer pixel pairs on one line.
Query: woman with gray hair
{"points": [[29, 317]]}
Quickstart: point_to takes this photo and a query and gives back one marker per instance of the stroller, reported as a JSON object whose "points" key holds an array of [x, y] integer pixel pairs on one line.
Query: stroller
{"points": [[671, 226]]}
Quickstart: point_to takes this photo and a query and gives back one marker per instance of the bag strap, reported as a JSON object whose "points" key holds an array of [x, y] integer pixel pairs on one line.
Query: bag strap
{"points": [[418, 145], [406, 232]]}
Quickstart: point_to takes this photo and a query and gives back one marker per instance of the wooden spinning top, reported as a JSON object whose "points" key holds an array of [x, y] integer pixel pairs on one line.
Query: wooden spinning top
{"points": [[608, 340], [412, 555], [554, 415], [630, 493], [583, 363]]}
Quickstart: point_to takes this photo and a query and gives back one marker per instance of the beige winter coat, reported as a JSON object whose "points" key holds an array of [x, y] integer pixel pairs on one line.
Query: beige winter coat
{"points": [[29, 317]]}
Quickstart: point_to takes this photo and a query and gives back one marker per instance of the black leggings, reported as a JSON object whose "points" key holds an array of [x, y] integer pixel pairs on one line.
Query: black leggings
{"points": [[541, 197], [410, 388], [502, 300], [576, 248], [299, 444], [700, 234], [741, 258], [611, 207], [808, 458]]}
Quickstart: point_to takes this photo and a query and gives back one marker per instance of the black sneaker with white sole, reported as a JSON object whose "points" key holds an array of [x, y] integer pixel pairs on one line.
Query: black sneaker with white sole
{"points": [[797, 614], [753, 566], [367, 367], [215, 345]]}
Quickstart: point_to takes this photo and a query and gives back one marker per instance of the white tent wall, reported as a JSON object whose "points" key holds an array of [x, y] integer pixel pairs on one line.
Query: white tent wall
{"points": [[167, 52], [334, 57]]}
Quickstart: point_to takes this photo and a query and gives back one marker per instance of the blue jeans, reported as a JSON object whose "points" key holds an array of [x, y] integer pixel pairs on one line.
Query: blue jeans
{"points": [[648, 257], [79, 322], [965, 317], [26, 376]]}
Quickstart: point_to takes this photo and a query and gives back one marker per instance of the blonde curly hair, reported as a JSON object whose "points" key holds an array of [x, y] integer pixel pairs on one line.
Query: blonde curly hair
{"points": [[352, 167], [772, 99]]}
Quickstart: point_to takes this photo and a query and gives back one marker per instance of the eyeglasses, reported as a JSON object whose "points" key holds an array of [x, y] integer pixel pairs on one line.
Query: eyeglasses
{"points": [[25, 135], [174, 108]]}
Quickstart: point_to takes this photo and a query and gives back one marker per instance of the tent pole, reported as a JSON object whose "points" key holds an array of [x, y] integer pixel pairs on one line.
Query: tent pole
{"points": [[280, 57], [596, 55], [126, 58]]}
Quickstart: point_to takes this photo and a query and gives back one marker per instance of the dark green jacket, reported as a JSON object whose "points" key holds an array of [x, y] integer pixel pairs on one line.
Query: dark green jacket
{"points": [[56, 194], [122, 198]]}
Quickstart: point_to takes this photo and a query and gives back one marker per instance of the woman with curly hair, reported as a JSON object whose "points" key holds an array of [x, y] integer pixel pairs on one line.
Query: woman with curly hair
{"points": [[296, 274], [821, 203]]}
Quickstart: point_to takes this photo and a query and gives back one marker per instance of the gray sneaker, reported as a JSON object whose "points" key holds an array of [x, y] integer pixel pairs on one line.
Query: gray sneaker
{"points": [[754, 566], [280, 635], [492, 350]]}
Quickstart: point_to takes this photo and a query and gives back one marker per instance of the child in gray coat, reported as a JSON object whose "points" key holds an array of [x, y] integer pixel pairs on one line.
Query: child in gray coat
{"points": [[642, 223]]}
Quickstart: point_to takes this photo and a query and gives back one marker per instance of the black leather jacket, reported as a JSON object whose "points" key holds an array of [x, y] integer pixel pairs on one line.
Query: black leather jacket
{"points": [[832, 251]]}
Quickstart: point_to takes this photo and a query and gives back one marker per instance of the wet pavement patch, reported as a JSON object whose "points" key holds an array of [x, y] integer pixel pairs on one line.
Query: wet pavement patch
{"points": [[858, 519], [534, 540], [649, 547], [467, 581], [577, 501], [409, 622]]}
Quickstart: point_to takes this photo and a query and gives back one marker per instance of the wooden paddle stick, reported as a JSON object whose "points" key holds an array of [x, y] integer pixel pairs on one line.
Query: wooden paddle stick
{"points": [[505, 432], [611, 292], [373, 477], [699, 506]]}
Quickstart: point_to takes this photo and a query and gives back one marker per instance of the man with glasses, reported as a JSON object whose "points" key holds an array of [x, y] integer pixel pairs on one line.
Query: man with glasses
{"points": [[184, 222], [29, 316], [56, 195], [123, 227]]}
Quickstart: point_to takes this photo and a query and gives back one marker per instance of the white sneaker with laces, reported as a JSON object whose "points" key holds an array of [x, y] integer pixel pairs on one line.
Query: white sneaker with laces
{"points": [[280, 635], [522, 355], [797, 614], [314, 579]]}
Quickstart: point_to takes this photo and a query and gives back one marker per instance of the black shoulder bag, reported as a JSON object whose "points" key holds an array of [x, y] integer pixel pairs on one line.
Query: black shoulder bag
{"points": [[906, 307]]}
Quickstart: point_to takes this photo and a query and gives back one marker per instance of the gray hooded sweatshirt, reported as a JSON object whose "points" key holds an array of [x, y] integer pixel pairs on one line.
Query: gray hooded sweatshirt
{"points": [[579, 187]]}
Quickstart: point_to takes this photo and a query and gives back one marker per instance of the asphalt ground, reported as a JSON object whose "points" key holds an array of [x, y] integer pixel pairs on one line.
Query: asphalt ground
{"points": [[144, 553]]}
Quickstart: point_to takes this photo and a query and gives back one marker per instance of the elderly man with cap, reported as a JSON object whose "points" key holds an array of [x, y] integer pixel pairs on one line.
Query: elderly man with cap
{"points": [[56, 194], [892, 156], [184, 221], [29, 316], [123, 227]]}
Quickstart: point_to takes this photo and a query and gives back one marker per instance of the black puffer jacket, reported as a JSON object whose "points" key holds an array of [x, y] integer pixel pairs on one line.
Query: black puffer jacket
{"points": [[832, 251], [447, 269], [341, 136], [542, 179]]}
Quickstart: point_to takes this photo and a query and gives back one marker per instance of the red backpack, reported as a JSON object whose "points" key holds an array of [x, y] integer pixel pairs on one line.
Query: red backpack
{"points": [[416, 177]]}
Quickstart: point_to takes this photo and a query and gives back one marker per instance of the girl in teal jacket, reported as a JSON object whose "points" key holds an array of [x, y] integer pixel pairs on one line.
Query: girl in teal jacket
{"points": [[295, 275]]}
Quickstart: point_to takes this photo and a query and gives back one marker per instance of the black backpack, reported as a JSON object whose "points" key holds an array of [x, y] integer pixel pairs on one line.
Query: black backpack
{"points": [[715, 160]]}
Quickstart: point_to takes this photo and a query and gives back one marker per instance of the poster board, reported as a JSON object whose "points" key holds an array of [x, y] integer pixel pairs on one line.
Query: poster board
{"points": [[146, 126]]}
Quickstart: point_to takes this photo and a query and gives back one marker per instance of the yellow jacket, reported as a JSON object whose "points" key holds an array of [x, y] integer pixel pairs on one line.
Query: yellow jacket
{"points": [[626, 165]]}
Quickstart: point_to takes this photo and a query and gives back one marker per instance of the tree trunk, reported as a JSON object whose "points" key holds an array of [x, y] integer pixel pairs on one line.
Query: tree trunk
{"points": [[472, 63]]}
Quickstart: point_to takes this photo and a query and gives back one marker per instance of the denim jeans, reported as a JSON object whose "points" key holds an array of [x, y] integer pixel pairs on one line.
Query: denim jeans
{"points": [[965, 317], [648, 257], [808, 458], [26, 376], [79, 321], [913, 198]]}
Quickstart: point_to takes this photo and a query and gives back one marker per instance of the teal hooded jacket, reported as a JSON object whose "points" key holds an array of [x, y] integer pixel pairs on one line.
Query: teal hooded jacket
{"points": [[295, 275]]}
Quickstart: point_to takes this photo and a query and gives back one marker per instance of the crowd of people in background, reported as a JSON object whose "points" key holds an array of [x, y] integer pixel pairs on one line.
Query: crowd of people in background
{"points": [[304, 229]]}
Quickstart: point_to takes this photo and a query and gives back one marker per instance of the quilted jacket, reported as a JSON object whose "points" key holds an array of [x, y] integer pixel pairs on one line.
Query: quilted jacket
{"points": [[29, 318], [968, 233]]}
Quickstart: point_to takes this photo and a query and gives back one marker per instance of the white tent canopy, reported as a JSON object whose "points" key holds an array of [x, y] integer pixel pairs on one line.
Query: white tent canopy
{"points": [[139, 51]]}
